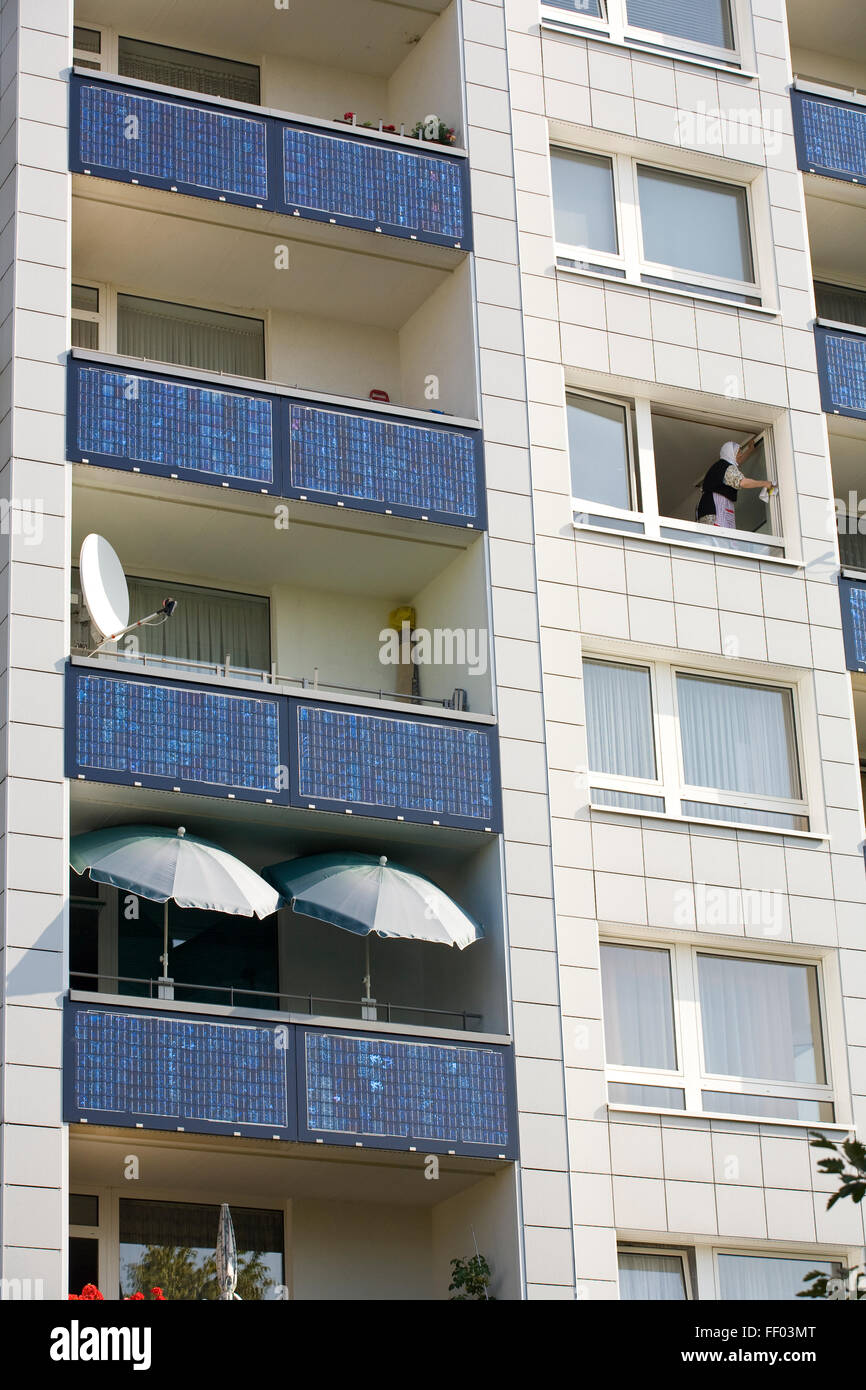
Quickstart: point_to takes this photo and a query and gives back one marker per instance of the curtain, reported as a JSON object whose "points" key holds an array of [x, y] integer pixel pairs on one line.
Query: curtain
{"points": [[206, 626], [656, 1277], [619, 723], [767, 1277], [638, 1007], [760, 1018], [852, 547], [190, 337], [738, 737], [840, 304], [702, 21], [694, 224], [193, 72], [188, 1223]]}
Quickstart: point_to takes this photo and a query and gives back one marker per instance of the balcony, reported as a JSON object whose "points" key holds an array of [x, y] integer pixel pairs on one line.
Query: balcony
{"points": [[830, 133], [841, 356], [178, 424], [229, 152]]}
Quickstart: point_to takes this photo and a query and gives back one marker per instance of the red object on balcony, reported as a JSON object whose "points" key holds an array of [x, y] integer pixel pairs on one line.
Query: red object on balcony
{"points": [[376, 395]]}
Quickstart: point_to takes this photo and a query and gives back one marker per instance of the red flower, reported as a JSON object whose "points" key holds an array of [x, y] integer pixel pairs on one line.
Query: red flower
{"points": [[158, 1294], [391, 129], [131, 1297], [74, 1297], [347, 115], [91, 1292]]}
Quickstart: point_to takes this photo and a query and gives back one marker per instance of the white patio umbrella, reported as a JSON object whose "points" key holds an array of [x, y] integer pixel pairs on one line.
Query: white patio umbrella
{"points": [[156, 862]]}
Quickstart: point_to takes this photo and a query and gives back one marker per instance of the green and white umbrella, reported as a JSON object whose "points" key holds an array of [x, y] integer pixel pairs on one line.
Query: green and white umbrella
{"points": [[366, 894], [155, 862]]}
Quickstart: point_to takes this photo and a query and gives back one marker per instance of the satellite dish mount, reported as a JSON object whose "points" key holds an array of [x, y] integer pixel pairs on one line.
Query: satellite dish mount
{"points": [[106, 595]]}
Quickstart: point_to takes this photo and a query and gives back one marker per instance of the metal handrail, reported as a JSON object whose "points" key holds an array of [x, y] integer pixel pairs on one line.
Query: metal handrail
{"points": [[384, 1011]]}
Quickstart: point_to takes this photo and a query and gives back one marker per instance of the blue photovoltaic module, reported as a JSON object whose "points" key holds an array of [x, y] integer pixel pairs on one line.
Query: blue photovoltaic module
{"points": [[195, 1072], [413, 1089], [138, 730], [172, 426], [374, 762], [852, 597], [842, 372], [384, 461], [123, 131], [373, 184], [830, 136]]}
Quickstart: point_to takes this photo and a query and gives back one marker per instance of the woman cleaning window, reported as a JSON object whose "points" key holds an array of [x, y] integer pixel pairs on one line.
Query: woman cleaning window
{"points": [[723, 481]]}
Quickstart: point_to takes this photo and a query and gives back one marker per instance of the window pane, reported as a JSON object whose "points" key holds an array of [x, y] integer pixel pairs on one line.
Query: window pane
{"points": [[702, 21], [657, 1097], [619, 722], [772, 1107], [598, 451], [194, 72], [86, 40], [767, 1278], [83, 1209], [695, 224], [592, 7], [85, 334], [85, 297], [629, 801], [83, 1262], [738, 737], [191, 337], [171, 1245], [659, 1277], [840, 304], [761, 1018], [744, 815], [583, 202], [638, 1007]]}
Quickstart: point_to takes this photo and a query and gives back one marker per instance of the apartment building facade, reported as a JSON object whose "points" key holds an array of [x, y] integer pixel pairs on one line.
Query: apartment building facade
{"points": [[341, 321]]}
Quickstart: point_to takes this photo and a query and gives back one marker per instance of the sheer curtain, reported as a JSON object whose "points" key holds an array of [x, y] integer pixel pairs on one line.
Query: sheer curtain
{"points": [[191, 337], [760, 1019], [765, 1277], [194, 72], [656, 1277], [738, 737], [619, 723], [207, 624], [638, 1007], [702, 21]]}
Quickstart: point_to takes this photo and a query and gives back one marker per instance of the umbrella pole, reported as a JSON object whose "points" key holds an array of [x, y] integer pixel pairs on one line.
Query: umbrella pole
{"points": [[368, 1003], [165, 988]]}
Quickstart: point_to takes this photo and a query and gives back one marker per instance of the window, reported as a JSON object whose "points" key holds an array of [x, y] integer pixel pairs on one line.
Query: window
{"points": [[651, 1274], [705, 28], [172, 1245], [193, 72], [693, 1029], [83, 1241], [722, 749], [617, 216], [86, 47], [86, 317], [841, 304], [702, 21], [190, 337], [601, 451], [768, 1278]]}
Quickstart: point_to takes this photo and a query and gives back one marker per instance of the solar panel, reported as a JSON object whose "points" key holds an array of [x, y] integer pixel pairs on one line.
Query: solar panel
{"points": [[163, 1070], [830, 136], [166, 426], [852, 596], [418, 468], [842, 372], [423, 768], [206, 151], [375, 185], [358, 1086], [158, 732]]}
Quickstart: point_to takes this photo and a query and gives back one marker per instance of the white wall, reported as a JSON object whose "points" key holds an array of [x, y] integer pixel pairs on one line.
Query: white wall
{"points": [[291, 84], [456, 601], [345, 359], [428, 80], [486, 1213], [360, 1251], [849, 71], [438, 340], [339, 633]]}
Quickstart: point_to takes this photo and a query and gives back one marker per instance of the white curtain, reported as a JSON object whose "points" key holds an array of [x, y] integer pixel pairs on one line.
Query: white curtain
{"points": [[656, 1277], [738, 737], [190, 337], [702, 21], [760, 1018], [206, 626], [619, 723], [638, 1007], [766, 1278]]}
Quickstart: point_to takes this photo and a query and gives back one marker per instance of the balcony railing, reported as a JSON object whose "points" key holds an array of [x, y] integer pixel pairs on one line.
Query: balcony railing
{"points": [[841, 357], [178, 424], [230, 153], [250, 745], [852, 597], [830, 135], [259, 1077]]}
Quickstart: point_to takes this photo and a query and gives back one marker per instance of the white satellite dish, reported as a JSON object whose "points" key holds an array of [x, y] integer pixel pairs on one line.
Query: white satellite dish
{"points": [[103, 586], [106, 595]]}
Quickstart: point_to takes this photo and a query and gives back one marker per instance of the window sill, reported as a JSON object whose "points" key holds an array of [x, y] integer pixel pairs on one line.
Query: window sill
{"points": [[723, 551], [814, 836], [818, 1125], [576, 30], [705, 298]]}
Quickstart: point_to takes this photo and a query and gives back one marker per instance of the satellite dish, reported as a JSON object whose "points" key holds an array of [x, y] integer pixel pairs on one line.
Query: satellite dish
{"points": [[103, 586]]}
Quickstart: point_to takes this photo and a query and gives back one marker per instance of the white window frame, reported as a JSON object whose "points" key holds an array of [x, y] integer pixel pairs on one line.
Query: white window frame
{"points": [[670, 785], [576, 393], [690, 1076], [630, 262], [101, 316], [614, 26], [630, 1247], [648, 522], [106, 59]]}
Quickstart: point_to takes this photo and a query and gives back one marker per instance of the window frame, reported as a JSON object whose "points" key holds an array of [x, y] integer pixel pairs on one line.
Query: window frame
{"points": [[101, 316], [673, 1251], [614, 25], [634, 479], [691, 1076], [803, 1257], [669, 784], [95, 62]]}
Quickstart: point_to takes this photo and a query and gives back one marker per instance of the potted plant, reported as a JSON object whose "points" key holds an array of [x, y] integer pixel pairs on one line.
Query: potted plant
{"points": [[470, 1281], [431, 128]]}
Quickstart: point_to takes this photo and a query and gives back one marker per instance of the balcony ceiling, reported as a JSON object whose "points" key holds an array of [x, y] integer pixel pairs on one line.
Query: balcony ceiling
{"points": [[365, 36], [835, 27], [182, 255], [837, 232]]}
